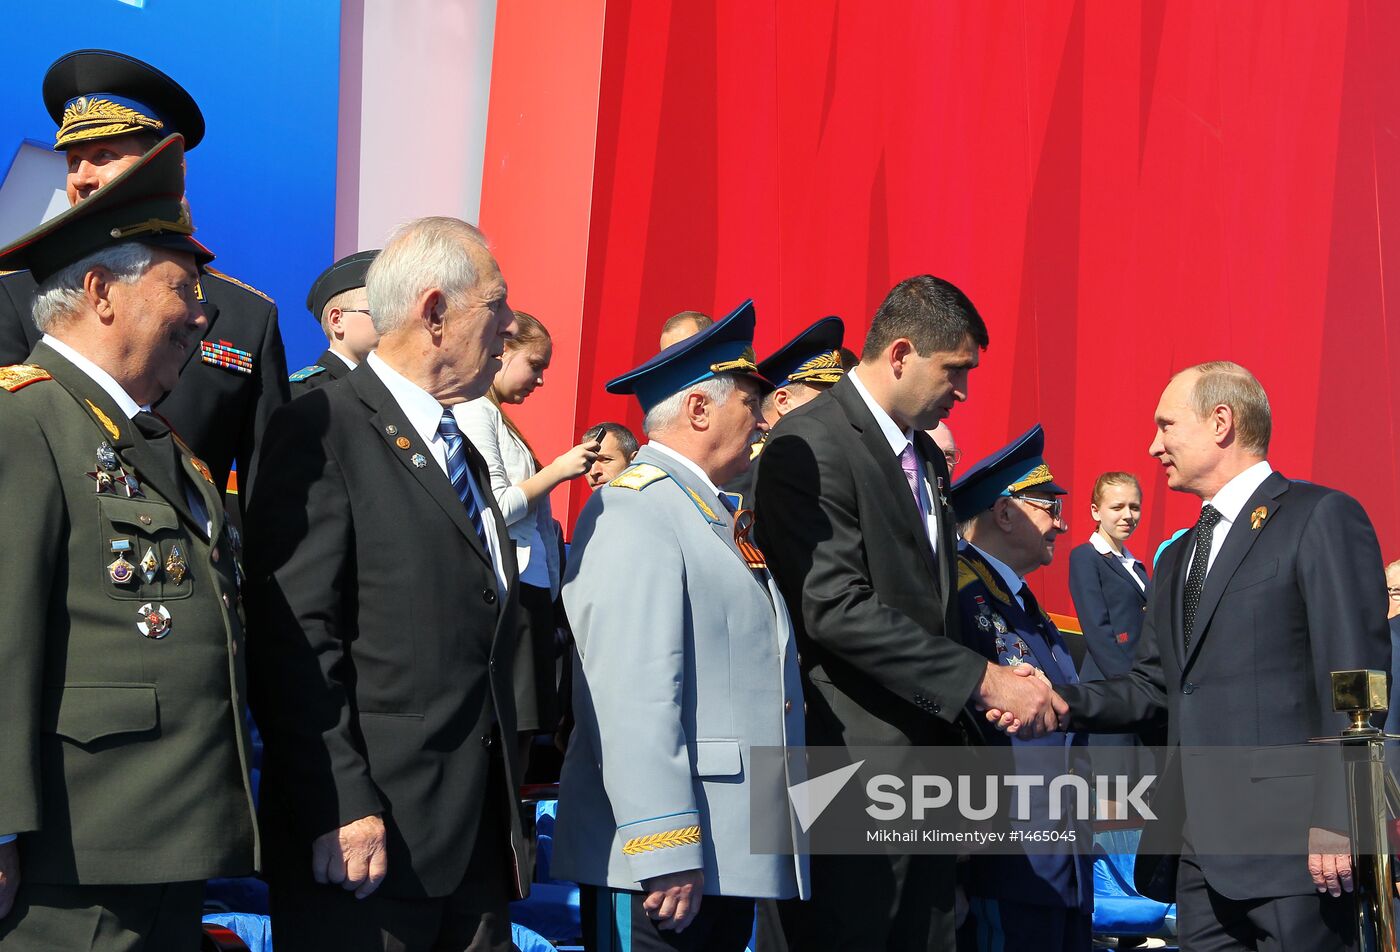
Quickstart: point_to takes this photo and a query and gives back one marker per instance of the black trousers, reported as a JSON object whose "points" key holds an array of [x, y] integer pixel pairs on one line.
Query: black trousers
{"points": [[161, 917], [891, 903], [1206, 921], [613, 920]]}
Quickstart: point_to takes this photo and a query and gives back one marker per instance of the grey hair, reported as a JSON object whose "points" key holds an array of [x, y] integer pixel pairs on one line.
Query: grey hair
{"points": [[421, 255], [62, 294], [660, 417]]}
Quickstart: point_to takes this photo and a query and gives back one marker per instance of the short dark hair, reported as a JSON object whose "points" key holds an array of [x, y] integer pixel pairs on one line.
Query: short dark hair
{"points": [[933, 314], [625, 438]]}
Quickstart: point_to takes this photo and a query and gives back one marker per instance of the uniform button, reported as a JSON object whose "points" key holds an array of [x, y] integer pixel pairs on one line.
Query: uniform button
{"points": [[937, 708], [787, 706], [489, 597], [486, 741], [491, 666], [145, 519], [1188, 688], [214, 555]]}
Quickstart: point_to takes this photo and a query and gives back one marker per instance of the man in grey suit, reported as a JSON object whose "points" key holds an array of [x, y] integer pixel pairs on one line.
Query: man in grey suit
{"points": [[685, 663]]}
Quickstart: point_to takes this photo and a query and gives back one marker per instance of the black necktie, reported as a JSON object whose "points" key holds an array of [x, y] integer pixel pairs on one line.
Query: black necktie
{"points": [[1196, 579], [162, 444]]}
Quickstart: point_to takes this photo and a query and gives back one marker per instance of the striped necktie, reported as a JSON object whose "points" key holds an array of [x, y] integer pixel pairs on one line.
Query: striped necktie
{"points": [[457, 472]]}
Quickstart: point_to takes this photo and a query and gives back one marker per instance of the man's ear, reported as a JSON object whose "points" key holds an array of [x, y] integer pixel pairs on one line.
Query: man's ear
{"points": [[1222, 420], [898, 354], [698, 410], [97, 288], [432, 311]]}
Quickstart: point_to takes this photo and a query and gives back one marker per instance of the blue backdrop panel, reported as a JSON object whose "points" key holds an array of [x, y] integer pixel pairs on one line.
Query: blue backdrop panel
{"points": [[266, 75]]}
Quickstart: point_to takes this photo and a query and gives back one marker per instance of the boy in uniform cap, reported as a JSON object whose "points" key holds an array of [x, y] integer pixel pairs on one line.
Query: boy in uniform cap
{"points": [[1010, 506], [110, 109], [124, 771], [685, 661], [800, 371], [340, 304]]}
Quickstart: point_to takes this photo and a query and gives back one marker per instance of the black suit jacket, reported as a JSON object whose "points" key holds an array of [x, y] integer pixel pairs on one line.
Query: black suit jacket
{"points": [[327, 368], [873, 607], [380, 643], [220, 411], [1110, 606], [1284, 605]]}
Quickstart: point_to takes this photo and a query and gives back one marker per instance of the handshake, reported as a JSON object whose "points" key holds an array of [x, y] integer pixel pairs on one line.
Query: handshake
{"points": [[1019, 700]]}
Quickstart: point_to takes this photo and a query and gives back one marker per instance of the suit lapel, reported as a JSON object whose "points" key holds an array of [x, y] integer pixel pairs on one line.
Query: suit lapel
{"points": [[1236, 546], [335, 367], [1173, 582], [890, 472], [936, 472], [1115, 566], [131, 447], [392, 425]]}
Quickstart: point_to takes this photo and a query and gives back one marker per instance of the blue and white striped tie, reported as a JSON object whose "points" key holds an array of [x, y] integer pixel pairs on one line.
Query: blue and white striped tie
{"points": [[457, 472]]}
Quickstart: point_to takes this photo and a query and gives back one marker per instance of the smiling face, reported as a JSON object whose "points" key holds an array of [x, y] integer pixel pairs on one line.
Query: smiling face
{"points": [[1187, 446], [1033, 531], [1118, 511], [522, 371], [92, 165], [160, 321]]}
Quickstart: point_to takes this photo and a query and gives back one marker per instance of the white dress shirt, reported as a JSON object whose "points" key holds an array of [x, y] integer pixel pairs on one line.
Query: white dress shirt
{"points": [[899, 440], [1228, 502], [130, 407], [424, 414], [1126, 559], [1007, 573]]}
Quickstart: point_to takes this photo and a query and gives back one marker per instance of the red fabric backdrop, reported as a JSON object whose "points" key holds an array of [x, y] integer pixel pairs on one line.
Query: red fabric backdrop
{"points": [[1122, 188]]}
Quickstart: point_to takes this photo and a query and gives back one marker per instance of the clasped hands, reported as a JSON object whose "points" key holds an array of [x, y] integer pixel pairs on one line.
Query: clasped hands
{"points": [[1018, 699]]}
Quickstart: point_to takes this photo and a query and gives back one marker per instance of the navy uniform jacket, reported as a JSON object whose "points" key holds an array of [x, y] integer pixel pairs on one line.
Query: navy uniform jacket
{"points": [[994, 624], [327, 367], [228, 388], [1110, 606]]}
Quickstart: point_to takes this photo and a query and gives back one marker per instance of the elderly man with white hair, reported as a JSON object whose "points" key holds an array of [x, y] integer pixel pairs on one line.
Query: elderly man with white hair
{"points": [[384, 592], [685, 664]]}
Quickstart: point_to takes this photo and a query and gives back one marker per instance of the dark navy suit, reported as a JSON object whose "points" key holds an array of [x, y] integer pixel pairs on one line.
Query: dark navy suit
{"points": [[1040, 901], [1110, 606]]}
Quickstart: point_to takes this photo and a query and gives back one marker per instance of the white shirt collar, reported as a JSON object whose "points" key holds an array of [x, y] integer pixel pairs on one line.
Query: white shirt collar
{"points": [[898, 439], [421, 407], [1008, 575], [689, 464], [99, 376], [1101, 546], [1234, 494], [344, 360]]}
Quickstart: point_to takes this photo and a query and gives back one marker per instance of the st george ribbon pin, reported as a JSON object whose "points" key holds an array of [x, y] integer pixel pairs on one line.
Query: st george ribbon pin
{"points": [[1257, 517], [155, 620]]}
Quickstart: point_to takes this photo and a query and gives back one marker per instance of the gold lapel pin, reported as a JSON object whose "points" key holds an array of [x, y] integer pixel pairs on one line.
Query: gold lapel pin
{"points": [[403, 442], [1257, 517]]}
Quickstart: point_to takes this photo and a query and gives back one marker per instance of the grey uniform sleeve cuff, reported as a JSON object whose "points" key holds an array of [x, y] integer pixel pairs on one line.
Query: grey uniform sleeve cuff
{"points": [[662, 845]]}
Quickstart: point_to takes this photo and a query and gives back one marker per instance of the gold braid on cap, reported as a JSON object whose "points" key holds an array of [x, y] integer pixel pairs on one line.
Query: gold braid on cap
{"points": [[1037, 476], [745, 363], [823, 368], [86, 119], [156, 226]]}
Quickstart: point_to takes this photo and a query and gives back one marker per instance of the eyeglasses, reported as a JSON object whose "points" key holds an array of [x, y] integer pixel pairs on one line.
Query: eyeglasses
{"points": [[355, 310], [1053, 506]]}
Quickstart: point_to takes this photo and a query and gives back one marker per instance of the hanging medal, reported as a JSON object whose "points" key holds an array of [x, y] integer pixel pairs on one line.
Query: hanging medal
{"points": [[120, 571]]}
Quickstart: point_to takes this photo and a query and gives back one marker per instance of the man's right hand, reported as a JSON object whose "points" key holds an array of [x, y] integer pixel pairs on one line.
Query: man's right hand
{"points": [[9, 876], [354, 856], [1015, 692], [673, 900]]}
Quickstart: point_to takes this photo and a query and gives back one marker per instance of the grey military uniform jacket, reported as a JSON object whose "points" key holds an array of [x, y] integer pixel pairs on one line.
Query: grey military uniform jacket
{"points": [[685, 663]]}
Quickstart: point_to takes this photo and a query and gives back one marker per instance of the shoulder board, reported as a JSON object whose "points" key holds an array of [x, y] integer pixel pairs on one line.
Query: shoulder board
{"points": [[18, 376], [232, 280], [4, 273], [972, 571], [306, 372], [640, 476]]}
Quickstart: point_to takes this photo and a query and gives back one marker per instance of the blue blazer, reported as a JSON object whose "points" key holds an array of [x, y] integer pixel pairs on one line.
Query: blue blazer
{"points": [[1110, 606]]}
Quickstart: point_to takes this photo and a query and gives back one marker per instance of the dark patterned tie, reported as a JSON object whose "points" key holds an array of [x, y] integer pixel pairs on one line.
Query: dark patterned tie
{"points": [[1196, 579], [457, 472]]}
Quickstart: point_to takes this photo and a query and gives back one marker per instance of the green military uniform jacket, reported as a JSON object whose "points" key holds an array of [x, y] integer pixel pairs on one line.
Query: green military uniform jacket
{"points": [[124, 757]]}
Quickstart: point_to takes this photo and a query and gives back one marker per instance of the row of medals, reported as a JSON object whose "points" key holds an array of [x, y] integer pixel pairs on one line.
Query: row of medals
{"points": [[111, 477]]}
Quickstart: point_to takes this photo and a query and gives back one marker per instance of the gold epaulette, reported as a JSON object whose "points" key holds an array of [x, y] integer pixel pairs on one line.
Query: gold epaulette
{"points": [[247, 287], [639, 477], [4, 273], [18, 376], [685, 836], [974, 570]]}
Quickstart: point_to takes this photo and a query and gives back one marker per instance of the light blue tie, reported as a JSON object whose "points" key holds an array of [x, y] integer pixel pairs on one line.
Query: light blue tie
{"points": [[457, 472]]}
